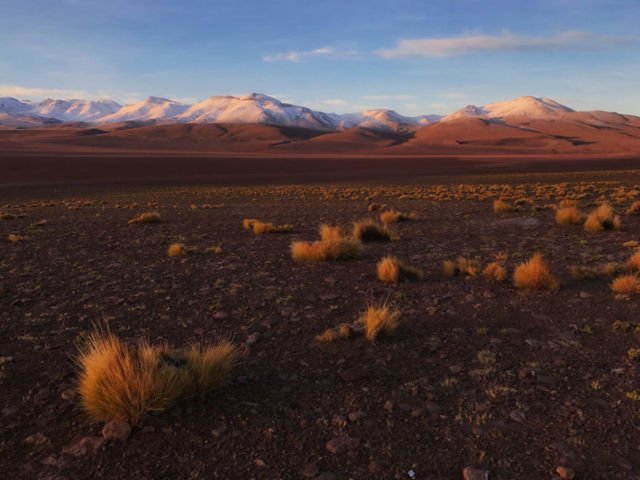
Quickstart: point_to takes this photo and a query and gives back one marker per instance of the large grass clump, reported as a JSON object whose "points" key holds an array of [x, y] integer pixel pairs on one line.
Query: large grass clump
{"points": [[378, 319], [500, 206], [569, 216], [626, 285], [601, 219], [368, 230], [333, 245], [534, 274], [146, 217], [392, 270], [126, 381]]}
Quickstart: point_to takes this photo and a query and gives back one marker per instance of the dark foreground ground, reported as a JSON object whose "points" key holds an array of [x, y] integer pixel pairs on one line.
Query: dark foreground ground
{"points": [[422, 404]]}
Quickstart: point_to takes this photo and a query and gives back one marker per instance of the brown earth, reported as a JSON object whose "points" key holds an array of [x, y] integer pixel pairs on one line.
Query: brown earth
{"points": [[428, 400]]}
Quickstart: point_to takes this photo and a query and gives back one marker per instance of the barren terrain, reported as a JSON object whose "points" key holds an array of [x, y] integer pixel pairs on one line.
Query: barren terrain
{"points": [[479, 374]]}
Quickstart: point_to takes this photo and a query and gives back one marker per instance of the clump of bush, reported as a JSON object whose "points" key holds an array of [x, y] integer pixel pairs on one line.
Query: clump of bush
{"points": [[368, 230], [392, 270], [333, 245], [146, 217], [601, 219]]}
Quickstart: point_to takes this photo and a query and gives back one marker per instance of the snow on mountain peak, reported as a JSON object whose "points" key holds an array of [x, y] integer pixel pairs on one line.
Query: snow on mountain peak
{"points": [[526, 106]]}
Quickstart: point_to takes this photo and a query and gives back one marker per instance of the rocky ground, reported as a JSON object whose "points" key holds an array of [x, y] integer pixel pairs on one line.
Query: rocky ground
{"points": [[526, 385]]}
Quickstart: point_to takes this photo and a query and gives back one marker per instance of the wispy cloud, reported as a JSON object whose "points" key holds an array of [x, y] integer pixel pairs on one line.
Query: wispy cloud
{"points": [[27, 92], [298, 56], [388, 97], [504, 42]]}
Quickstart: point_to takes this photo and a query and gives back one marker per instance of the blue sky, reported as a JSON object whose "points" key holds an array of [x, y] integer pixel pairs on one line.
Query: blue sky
{"points": [[334, 55]]}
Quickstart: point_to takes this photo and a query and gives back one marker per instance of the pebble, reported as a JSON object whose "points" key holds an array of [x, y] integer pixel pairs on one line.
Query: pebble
{"points": [[342, 444], [220, 431], [36, 439], [310, 470], [475, 474], [565, 473], [116, 430]]}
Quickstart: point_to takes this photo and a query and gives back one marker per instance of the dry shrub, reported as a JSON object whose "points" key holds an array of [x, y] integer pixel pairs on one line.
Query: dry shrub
{"points": [[394, 216], [322, 250], [612, 268], [368, 230], [568, 203], [120, 381], [379, 319], [626, 285], [601, 219], [630, 244], [634, 209], [462, 266], [534, 274], [260, 228], [13, 238], [495, 271], [581, 272], [327, 232], [374, 207], [146, 217], [569, 216], [176, 250], [247, 223], [633, 263], [217, 250], [342, 332], [500, 206], [391, 270]]}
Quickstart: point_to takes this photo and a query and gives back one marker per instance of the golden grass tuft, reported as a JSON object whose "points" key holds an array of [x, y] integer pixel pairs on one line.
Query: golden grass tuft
{"points": [[13, 238], [260, 228], [462, 266], [534, 274], [392, 270], [495, 271], [247, 223], [367, 230], [146, 217], [121, 381], [327, 232], [634, 208], [601, 219], [177, 250], [567, 203], [322, 250], [569, 216], [633, 263], [500, 206], [394, 216], [342, 332], [374, 207], [626, 285], [379, 319]]}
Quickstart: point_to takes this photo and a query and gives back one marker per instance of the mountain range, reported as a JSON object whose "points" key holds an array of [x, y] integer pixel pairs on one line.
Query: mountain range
{"points": [[258, 122]]}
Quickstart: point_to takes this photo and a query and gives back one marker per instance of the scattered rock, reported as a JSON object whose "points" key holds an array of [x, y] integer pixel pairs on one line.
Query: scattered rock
{"points": [[519, 222], [68, 394], [357, 415], [252, 339], [565, 473], [475, 474], [342, 444], [310, 470], [83, 446], [116, 430], [220, 431], [36, 439], [339, 421]]}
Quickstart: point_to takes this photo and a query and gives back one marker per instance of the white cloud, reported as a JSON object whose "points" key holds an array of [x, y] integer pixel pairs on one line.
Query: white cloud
{"points": [[298, 56], [505, 42]]}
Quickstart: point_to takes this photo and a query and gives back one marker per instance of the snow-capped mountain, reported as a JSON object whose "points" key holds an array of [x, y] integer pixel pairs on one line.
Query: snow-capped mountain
{"points": [[153, 108], [11, 106], [383, 119], [75, 110], [529, 107], [255, 108]]}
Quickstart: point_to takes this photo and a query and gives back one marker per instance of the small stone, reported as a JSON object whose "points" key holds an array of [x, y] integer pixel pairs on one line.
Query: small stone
{"points": [[36, 439], [475, 474], [83, 446], [565, 473], [252, 339], [357, 415], [220, 315], [517, 416], [68, 394], [339, 421], [388, 406], [116, 430], [310, 470], [260, 463], [585, 294], [342, 444], [220, 431]]}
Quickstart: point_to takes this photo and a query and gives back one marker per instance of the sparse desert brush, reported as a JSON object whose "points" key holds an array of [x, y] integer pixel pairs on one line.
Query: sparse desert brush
{"points": [[626, 285], [217, 250], [582, 272], [633, 263], [322, 250], [634, 208], [342, 332], [374, 207], [500, 206], [7, 216], [379, 319], [328, 232], [602, 218], [569, 216], [146, 217], [368, 230], [534, 274], [495, 271], [125, 381], [567, 203], [13, 238], [247, 223], [393, 216], [392, 270], [612, 268], [260, 228], [462, 266], [630, 244], [176, 250]]}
